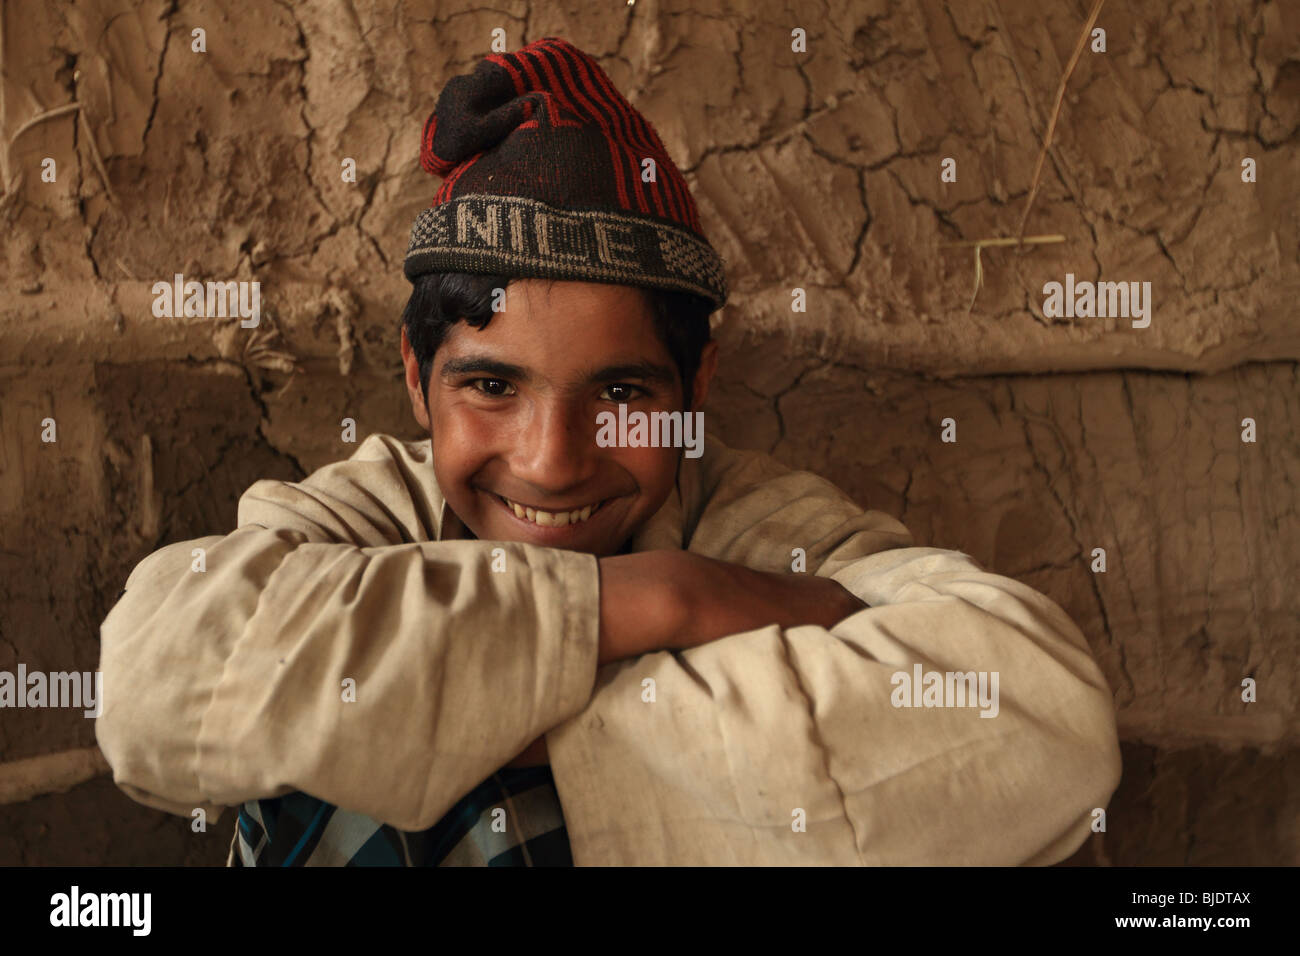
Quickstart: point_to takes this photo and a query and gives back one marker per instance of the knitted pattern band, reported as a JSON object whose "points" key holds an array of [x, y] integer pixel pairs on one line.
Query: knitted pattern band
{"points": [[542, 163]]}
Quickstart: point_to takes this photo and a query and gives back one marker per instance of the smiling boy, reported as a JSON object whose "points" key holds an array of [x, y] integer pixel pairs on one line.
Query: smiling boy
{"points": [[512, 411], [514, 643]]}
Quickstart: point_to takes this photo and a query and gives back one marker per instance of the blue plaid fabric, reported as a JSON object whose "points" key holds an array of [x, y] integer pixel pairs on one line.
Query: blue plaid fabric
{"points": [[511, 819]]}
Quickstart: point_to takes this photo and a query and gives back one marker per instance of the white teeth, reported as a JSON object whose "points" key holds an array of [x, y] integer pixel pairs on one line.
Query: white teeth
{"points": [[551, 519]]}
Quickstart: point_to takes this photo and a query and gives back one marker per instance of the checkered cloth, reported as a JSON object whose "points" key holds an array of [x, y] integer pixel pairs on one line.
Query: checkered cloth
{"points": [[511, 819]]}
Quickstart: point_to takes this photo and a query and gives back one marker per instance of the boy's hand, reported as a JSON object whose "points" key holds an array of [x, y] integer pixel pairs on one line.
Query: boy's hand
{"points": [[726, 599], [659, 600]]}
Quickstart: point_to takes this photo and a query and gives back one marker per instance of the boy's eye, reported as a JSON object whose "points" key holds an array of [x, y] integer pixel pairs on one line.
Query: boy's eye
{"points": [[621, 392], [492, 386]]}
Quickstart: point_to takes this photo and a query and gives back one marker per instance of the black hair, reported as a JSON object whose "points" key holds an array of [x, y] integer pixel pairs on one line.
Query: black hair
{"points": [[440, 300]]}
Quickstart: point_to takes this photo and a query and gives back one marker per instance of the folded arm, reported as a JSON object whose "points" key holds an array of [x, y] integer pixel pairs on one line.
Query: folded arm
{"points": [[228, 684], [753, 732]]}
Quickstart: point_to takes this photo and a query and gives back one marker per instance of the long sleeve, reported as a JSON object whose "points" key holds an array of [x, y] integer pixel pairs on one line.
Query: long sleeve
{"points": [[228, 684], [746, 734]]}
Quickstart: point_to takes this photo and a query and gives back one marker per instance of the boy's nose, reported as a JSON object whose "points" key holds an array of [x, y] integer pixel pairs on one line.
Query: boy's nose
{"points": [[557, 452]]}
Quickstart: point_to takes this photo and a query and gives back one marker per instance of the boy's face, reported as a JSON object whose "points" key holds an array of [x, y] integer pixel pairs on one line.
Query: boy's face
{"points": [[512, 415]]}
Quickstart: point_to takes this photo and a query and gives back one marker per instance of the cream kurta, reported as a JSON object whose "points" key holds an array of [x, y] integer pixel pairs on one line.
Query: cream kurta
{"points": [[226, 684]]}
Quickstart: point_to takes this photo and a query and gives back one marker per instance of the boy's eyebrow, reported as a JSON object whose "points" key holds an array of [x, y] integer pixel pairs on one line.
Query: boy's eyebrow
{"points": [[645, 371], [482, 363]]}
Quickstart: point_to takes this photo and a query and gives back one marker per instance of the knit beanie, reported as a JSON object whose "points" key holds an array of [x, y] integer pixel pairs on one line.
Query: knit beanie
{"points": [[542, 165]]}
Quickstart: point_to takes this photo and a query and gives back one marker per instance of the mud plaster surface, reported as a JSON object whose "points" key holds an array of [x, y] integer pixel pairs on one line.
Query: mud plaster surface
{"points": [[818, 172]]}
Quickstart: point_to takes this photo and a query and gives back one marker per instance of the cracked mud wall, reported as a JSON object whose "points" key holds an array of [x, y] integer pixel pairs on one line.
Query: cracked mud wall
{"points": [[817, 171]]}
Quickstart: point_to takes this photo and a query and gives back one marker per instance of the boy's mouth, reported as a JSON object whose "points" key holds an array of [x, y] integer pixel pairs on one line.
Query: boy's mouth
{"points": [[552, 519]]}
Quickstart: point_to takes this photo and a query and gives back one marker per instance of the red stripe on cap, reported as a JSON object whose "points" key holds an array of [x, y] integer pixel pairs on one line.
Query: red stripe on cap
{"points": [[581, 72], [554, 94], [535, 85], [594, 112], [449, 183], [505, 63], [684, 209], [685, 205], [625, 115], [428, 160]]}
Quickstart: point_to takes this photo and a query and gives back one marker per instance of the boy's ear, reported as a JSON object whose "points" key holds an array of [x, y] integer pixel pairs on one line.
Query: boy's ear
{"points": [[412, 364], [704, 375]]}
